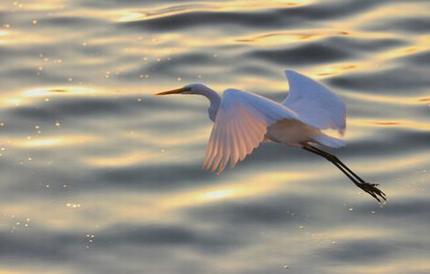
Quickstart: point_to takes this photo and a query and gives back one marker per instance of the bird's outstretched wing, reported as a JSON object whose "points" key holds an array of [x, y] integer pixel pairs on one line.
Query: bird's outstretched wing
{"points": [[240, 126], [315, 104]]}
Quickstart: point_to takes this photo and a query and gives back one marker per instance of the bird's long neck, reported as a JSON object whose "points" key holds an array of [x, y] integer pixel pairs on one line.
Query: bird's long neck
{"points": [[214, 100]]}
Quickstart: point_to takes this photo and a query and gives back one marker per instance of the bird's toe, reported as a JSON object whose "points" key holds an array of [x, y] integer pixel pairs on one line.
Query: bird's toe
{"points": [[373, 191]]}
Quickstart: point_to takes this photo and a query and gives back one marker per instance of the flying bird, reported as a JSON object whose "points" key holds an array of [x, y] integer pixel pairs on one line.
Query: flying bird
{"points": [[243, 120]]}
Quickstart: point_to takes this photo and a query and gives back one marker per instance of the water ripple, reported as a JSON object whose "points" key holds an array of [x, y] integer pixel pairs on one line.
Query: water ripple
{"points": [[310, 54], [101, 176]]}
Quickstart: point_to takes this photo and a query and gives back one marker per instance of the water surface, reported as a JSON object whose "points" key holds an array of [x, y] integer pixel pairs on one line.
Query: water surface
{"points": [[99, 176]]}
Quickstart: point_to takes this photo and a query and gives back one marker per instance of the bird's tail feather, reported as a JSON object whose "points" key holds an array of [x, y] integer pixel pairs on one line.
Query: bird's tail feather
{"points": [[329, 141]]}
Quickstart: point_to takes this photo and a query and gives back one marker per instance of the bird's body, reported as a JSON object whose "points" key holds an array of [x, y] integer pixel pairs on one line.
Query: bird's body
{"points": [[291, 132], [243, 120]]}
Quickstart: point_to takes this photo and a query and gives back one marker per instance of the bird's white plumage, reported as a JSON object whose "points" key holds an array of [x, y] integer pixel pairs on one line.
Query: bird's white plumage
{"points": [[243, 120], [315, 104], [240, 126]]}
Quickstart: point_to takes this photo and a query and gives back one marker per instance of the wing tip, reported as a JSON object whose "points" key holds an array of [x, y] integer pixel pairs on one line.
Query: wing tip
{"points": [[290, 73]]}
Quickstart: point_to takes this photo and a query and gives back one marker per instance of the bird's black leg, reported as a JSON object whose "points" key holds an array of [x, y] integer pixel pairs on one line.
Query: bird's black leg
{"points": [[326, 156], [371, 189]]}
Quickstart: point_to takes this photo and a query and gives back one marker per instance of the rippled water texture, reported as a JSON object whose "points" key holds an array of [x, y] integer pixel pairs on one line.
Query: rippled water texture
{"points": [[100, 176]]}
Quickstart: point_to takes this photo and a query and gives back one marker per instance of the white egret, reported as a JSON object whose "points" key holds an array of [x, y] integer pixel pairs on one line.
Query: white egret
{"points": [[243, 120]]}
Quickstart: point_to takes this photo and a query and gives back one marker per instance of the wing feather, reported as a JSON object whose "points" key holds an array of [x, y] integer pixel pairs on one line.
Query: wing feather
{"points": [[220, 148], [210, 151], [240, 126], [314, 103], [226, 149], [236, 143], [244, 143]]}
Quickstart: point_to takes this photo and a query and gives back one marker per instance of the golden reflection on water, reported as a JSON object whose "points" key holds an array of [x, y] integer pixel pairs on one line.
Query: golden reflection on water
{"points": [[106, 208], [238, 189], [37, 95], [350, 233], [399, 124], [173, 139], [336, 69], [62, 91], [48, 142], [42, 5], [421, 44], [129, 159], [13, 37], [392, 266], [15, 99], [404, 162], [373, 63], [287, 37], [139, 139], [250, 5]]}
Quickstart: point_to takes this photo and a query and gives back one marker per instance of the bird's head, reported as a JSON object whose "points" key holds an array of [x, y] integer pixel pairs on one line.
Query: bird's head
{"points": [[199, 89], [195, 88]]}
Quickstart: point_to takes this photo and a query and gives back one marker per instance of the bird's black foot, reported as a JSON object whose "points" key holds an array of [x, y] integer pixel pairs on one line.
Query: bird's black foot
{"points": [[373, 191]]}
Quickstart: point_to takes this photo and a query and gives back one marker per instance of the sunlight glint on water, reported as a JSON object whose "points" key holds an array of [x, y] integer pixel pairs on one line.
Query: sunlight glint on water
{"points": [[100, 176]]}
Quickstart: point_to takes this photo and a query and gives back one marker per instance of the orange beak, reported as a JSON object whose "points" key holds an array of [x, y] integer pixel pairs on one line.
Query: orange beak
{"points": [[173, 91]]}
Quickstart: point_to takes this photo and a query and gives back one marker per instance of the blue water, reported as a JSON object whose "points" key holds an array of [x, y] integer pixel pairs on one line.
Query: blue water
{"points": [[100, 176]]}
